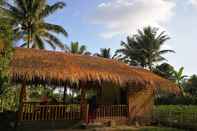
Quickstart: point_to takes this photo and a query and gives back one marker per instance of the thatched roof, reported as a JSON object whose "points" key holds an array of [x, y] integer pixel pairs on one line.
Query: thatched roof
{"points": [[58, 68]]}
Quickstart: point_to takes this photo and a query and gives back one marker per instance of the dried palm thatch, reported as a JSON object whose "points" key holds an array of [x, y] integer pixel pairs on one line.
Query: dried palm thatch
{"points": [[58, 68]]}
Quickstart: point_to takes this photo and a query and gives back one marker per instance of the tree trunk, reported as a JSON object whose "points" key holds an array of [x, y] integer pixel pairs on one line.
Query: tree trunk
{"points": [[29, 35], [150, 63], [29, 26]]}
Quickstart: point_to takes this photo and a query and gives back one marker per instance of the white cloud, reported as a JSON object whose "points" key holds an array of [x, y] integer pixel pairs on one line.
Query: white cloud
{"points": [[104, 5], [126, 16], [193, 2]]}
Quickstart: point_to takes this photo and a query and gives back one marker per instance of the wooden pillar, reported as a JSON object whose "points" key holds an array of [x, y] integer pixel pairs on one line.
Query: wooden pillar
{"points": [[83, 105], [23, 93], [21, 100], [130, 110]]}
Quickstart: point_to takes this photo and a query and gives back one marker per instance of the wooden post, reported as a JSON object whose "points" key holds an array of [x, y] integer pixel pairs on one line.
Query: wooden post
{"points": [[21, 100], [83, 105], [129, 101]]}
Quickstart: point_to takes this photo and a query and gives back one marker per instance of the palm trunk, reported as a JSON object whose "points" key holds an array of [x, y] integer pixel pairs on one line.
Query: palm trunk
{"points": [[29, 28], [29, 35], [150, 63], [150, 66]]}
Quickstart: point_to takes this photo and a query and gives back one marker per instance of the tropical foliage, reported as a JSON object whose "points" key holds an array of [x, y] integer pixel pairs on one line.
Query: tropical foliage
{"points": [[9, 100], [165, 70], [27, 18], [5, 54], [144, 49], [76, 48], [190, 86], [105, 53], [179, 77], [170, 99]]}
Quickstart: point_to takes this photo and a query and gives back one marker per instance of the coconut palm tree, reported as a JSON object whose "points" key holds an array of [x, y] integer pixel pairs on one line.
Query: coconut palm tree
{"points": [[75, 48], [144, 48], [27, 18]]}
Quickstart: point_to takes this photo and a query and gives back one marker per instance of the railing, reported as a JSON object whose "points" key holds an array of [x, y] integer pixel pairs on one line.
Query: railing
{"points": [[112, 112], [36, 111]]}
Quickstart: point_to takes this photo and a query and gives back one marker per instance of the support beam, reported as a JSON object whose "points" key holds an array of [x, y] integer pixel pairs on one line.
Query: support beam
{"points": [[83, 105], [21, 100]]}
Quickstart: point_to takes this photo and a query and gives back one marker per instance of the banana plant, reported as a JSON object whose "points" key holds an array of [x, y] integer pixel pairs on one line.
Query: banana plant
{"points": [[179, 77]]}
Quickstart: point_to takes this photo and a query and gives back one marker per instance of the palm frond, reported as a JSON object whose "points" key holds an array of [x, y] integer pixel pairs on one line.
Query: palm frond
{"points": [[49, 9], [24, 45], [12, 8], [55, 28], [166, 51], [54, 39], [21, 4], [82, 49], [39, 42], [9, 13], [51, 44]]}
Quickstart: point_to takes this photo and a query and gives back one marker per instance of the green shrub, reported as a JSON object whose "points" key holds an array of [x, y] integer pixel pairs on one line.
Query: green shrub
{"points": [[176, 100], [5, 54], [181, 116]]}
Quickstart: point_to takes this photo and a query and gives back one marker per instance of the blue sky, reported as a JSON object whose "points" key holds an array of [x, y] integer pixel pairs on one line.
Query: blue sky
{"points": [[104, 23]]}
